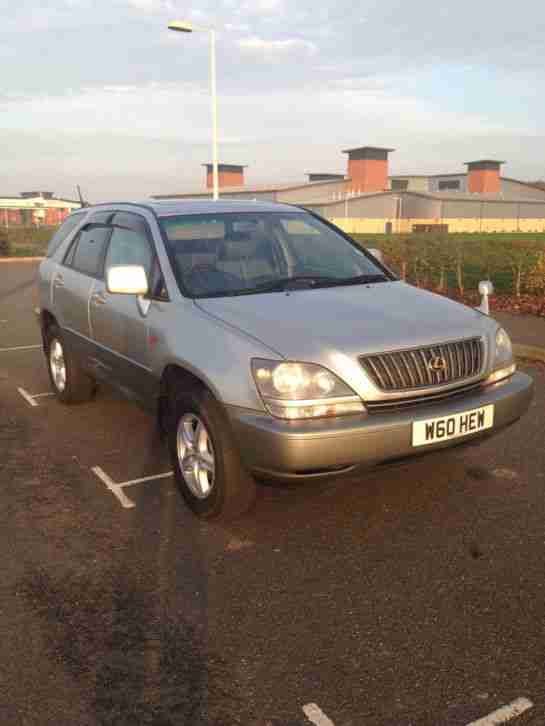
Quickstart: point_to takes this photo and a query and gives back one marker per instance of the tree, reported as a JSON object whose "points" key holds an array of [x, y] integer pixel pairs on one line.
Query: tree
{"points": [[395, 253], [535, 279], [521, 256]]}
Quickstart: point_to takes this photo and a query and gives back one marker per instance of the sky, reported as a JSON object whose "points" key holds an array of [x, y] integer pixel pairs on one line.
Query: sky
{"points": [[100, 93]]}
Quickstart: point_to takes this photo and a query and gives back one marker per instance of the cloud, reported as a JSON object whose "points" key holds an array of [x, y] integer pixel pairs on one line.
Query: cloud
{"points": [[255, 44], [263, 7], [297, 82]]}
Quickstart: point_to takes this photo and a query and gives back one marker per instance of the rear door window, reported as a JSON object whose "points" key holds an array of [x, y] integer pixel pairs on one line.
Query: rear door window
{"points": [[68, 226], [87, 253]]}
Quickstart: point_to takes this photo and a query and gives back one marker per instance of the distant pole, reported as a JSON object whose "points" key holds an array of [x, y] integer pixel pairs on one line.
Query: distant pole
{"points": [[186, 27], [214, 113]]}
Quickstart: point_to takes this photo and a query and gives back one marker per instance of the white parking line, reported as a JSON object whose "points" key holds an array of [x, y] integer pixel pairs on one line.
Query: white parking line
{"points": [[504, 714], [315, 714], [117, 487], [30, 397], [20, 347]]}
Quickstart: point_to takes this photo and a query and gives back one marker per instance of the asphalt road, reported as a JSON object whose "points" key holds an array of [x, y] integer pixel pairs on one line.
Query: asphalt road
{"points": [[408, 596]]}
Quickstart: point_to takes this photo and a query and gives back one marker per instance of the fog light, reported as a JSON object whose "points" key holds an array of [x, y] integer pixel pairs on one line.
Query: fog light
{"points": [[501, 374], [280, 410]]}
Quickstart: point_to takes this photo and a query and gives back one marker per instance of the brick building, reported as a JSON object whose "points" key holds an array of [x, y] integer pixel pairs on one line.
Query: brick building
{"points": [[35, 209], [368, 198]]}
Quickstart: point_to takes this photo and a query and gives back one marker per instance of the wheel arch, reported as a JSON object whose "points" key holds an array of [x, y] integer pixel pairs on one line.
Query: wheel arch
{"points": [[47, 319], [178, 377]]}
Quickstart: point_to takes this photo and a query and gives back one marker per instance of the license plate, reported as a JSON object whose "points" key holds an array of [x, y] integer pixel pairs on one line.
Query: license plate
{"points": [[435, 430]]}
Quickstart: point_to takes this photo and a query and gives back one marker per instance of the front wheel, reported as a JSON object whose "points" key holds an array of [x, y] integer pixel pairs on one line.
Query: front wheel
{"points": [[205, 460], [70, 383]]}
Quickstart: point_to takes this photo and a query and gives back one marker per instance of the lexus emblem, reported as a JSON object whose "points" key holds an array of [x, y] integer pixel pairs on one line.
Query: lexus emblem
{"points": [[437, 364]]}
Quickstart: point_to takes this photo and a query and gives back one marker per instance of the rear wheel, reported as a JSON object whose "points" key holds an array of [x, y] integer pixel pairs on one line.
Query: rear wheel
{"points": [[205, 460], [70, 383]]}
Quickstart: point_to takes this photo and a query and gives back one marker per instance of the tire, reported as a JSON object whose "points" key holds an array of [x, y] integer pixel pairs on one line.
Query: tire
{"points": [[68, 380], [223, 489]]}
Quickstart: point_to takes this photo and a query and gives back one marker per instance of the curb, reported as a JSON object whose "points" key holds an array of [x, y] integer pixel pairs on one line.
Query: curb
{"points": [[21, 259], [529, 352]]}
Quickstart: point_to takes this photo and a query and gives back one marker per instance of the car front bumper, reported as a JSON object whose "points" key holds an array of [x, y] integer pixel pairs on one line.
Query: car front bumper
{"points": [[301, 449]]}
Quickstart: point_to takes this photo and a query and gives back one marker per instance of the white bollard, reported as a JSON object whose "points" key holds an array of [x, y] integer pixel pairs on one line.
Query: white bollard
{"points": [[486, 288]]}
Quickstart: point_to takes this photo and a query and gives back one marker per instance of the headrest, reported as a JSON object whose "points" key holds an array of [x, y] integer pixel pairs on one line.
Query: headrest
{"points": [[237, 250]]}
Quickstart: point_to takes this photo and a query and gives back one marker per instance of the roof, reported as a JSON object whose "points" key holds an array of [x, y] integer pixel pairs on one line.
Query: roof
{"points": [[45, 203], [204, 206], [530, 185], [485, 163], [165, 208], [438, 196], [366, 148], [483, 197], [222, 165], [243, 189]]}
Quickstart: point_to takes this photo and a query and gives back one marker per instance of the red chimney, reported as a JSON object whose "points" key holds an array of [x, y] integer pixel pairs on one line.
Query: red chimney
{"points": [[484, 176], [368, 168], [229, 175]]}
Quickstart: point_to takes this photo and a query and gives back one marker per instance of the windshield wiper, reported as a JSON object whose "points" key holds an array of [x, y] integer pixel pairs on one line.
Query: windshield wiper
{"points": [[357, 280], [297, 281]]}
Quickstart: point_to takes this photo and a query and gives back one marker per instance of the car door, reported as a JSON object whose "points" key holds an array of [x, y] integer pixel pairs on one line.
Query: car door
{"points": [[73, 282], [119, 323]]}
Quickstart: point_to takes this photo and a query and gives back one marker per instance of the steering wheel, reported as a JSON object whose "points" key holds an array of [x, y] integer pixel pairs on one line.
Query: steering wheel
{"points": [[200, 274]]}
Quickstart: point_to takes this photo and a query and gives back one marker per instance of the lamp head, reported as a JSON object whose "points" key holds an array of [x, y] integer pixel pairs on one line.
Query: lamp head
{"points": [[180, 26]]}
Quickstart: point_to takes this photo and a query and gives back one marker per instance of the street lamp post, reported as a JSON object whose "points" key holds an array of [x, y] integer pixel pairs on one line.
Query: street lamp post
{"points": [[183, 27]]}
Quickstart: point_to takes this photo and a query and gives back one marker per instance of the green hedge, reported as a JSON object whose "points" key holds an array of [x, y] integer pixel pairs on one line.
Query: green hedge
{"points": [[514, 262], [25, 241], [4, 243]]}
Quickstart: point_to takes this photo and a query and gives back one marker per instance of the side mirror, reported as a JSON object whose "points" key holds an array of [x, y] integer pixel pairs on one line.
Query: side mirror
{"points": [[127, 280], [376, 253], [486, 288]]}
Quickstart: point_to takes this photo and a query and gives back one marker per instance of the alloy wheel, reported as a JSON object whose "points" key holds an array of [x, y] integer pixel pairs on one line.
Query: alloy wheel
{"points": [[57, 365], [196, 455]]}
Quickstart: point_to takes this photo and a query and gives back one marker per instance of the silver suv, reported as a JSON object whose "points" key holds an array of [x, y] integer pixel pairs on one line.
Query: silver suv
{"points": [[267, 344]]}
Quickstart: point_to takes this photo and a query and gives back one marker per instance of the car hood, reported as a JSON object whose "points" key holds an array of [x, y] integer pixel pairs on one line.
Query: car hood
{"points": [[316, 324]]}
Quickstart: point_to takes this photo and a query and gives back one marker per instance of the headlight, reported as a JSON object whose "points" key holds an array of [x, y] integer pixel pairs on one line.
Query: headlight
{"points": [[303, 390], [504, 364], [504, 349]]}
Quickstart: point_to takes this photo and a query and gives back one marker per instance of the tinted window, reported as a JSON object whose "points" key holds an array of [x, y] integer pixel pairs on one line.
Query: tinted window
{"points": [[248, 253], [100, 217], [88, 254], [129, 248], [69, 224], [189, 228], [131, 221]]}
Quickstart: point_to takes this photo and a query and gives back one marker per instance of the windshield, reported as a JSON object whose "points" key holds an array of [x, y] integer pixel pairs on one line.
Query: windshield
{"points": [[216, 255]]}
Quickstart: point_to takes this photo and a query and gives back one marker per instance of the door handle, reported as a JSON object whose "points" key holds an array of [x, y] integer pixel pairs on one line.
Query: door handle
{"points": [[58, 282], [98, 299]]}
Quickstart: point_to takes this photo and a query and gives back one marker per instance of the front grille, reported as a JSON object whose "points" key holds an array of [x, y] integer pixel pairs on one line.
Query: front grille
{"points": [[406, 370], [398, 405]]}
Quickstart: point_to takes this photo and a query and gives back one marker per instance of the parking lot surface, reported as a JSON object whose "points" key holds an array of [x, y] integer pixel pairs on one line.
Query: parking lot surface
{"points": [[413, 595]]}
